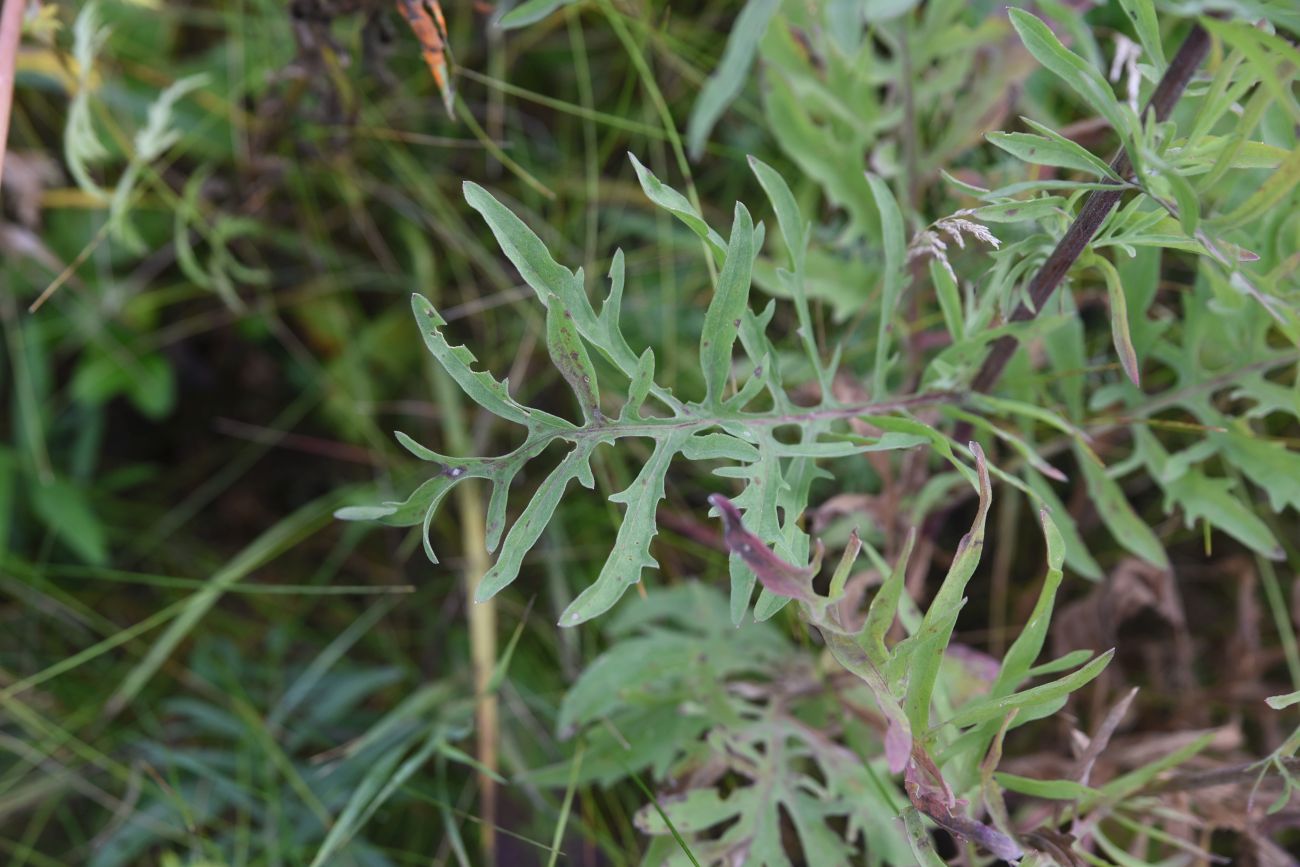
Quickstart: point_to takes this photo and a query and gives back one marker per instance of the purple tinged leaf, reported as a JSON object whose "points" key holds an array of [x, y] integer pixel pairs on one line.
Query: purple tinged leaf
{"points": [[898, 746], [776, 575], [985, 836], [936, 800]]}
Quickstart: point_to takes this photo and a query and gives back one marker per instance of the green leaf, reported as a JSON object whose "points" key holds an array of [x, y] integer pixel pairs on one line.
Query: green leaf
{"points": [[631, 551], [994, 708], [1077, 556], [419, 508], [936, 629], [151, 142], [528, 528], [1271, 465], [1267, 53], [895, 246], [949, 298], [1026, 450], [1052, 790], [1050, 149], [147, 381], [610, 333], [82, 147], [655, 735], [1200, 496], [722, 319], [1147, 26], [546, 276], [841, 574], [676, 204], [458, 361], [1113, 508], [727, 80], [697, 810], [641, 385], [1280, 702], [833, 163], [718, 446], [794, 229], [530, 12], [1079, 75], [1020, 657], [1119, 329], [66, 512], [569, 355], [819, 842], [1266, 196], [879, 11], [1021, 211], [452, 470], [527, 252], [898, 735], [631, 665], [1073, 659], [1189, 205], [884, 606]]}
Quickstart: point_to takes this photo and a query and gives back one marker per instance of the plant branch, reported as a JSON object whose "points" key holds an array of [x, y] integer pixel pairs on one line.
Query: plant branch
{"points": [[650, 427], [1095, 210]]}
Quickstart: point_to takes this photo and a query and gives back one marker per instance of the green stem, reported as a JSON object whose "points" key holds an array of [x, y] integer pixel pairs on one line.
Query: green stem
{"points": [[604, 428]]}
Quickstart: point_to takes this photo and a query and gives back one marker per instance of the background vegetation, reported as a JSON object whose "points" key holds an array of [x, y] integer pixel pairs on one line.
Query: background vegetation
{"points": [[1056, 620]]}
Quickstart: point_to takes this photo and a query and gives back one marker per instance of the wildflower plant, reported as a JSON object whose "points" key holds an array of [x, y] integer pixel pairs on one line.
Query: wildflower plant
{"points": [[1176, 187]]}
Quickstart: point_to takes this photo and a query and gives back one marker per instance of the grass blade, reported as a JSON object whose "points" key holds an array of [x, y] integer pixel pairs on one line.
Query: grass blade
{"points": [[275, 541]]}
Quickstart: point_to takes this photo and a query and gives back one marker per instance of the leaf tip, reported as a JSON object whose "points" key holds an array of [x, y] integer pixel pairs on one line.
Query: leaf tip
{"points": [[1129, 360], [422, 306]]}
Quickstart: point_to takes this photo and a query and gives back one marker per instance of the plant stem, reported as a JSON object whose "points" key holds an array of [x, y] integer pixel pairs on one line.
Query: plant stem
{"points": [[482, 617], [11, 28], [652, 427]]}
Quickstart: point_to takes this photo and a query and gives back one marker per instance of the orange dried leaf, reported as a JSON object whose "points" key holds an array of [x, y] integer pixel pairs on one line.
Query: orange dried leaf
{"points": [[430, 29]]}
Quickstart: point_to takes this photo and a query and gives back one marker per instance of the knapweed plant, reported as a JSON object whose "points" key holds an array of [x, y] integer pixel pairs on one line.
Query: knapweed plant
{"points": [[912, 215]]}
